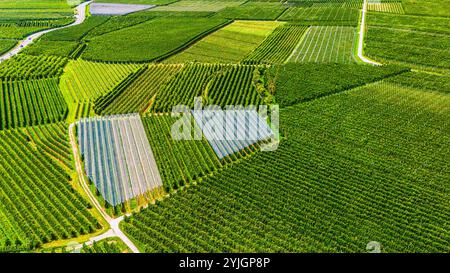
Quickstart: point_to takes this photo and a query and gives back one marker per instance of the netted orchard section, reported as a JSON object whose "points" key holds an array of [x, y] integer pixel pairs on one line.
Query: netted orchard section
{"points": [[229, 131], [118, 157]]}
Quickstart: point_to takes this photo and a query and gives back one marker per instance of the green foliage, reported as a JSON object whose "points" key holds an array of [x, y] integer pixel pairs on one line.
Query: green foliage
{"points": [[138, 95], [179, 162], [253, 10], [149, 40], [326, 44], [53, 140], [421, 23], [355, 169], [423, 81], [221, 85], [278, 46], [54, 48], [427, 7], [75, 33], [25, 66], [419, 48], [108, 245], [199, 5], [83, 80], [38, 205], [117, 23], [334, 14], [6, 45], [229, 44], [26, 103], [302, 82]]}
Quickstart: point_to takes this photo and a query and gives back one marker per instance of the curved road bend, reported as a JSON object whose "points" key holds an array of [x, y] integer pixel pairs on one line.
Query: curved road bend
{"points": [[79, 18]]}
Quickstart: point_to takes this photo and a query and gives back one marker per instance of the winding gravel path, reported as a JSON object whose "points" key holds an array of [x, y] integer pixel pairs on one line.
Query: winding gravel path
{"points": [[80, 16]]}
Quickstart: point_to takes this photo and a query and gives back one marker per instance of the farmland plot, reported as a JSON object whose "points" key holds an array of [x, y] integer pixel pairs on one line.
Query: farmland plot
{"points": [[348, 16], [390, 7], [199, 5], [229, 44], [326, 44], [116, 9], [180, 161], [24, 66], [38, 204], [138, 95], [84, 80], [253, 10], [25, 103], [231, 131], [118, 157], [150, 40], [342, 178], [6, 44], [53, 140], [404, 46], [217, 85], [278, 46]]}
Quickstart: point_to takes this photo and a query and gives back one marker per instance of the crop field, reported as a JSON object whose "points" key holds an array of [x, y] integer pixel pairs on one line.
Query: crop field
{"points": [[137, 96], [149, 40], [53, 140], [32, 67], [439, 25], [415, 47], [84, 80], [38, 204], [326, 44], [319, 179], [174, 157], [229, 44], [438, 8], [116, 9], [6, 44], [390, 7], [52, 48], [278, 46], [322, 14], [423, 81], [216, 84], [118, 157], [224, 126], [303, 82], [199, 5], [253, 11], [25, 103]]}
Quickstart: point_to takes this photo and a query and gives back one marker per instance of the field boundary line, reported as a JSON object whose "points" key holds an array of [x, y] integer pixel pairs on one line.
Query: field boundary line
{"points": [[298, 44]]}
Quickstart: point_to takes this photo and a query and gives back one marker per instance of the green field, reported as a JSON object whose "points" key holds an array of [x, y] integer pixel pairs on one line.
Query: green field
{"points": [[359, 115], [325, 44], [229, 44], [348, 158], [149, 40], [199, 5]]}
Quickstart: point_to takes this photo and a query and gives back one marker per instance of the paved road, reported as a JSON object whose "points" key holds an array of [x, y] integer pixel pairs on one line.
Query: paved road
{"points": [[80, 16], [114, 223], [361, 37]]}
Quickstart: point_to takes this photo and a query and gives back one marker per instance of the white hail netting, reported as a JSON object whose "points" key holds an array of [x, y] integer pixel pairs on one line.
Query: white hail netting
{"points": [[118, 157], [229, 131]]}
